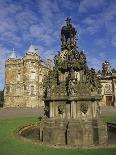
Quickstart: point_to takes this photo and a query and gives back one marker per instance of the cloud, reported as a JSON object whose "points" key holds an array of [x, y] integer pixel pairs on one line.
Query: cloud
{"points": [[87, 5], [92, 24], [96, 62], [39, 32], [11, 38], [69, 5], [7, 25], [101, 24], [101, 42], [26, 18], [40, 22], [4, 53], [113, 40], [15, 19], [113, 63]]}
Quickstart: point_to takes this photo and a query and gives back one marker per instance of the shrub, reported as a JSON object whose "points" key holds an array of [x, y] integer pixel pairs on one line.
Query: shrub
{"points": [[1, 98]]}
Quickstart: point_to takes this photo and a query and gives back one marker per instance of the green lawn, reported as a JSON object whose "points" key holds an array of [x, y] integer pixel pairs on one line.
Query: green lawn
{"points": [[10, 144], [110, 119]]}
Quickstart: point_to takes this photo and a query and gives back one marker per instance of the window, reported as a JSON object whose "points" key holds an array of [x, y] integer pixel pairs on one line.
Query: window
{"points": [[18, 77], [7, 89], [40, 78], [33, 75], [77, 76], [32, 90], [25, 87], [108, 89], [32, 62]]}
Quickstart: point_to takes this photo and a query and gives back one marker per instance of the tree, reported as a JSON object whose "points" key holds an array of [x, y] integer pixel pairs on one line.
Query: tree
{"points": [[1, 98]]}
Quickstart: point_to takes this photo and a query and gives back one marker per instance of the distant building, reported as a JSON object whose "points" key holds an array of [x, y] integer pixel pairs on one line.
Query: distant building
{"points": [[108, 81], [24, 79]]}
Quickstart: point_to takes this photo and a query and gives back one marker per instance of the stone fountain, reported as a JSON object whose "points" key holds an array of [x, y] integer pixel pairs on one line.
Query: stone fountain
{"points": [[72, 93]]}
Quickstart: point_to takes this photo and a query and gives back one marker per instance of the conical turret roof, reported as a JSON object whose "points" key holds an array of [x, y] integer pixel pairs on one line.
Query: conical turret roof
{"points": [[32, 49], [13, 54]]}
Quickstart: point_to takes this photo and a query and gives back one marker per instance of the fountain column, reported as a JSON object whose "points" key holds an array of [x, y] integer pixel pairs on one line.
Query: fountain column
{"points": [[73, 109]]}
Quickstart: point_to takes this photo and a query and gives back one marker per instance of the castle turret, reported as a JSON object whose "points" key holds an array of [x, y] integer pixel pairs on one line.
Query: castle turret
{"points": [[32, 50], [13, 55], [106, 68], [23, 79]]}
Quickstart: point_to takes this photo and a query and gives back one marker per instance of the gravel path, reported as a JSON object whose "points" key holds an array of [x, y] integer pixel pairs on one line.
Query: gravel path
{"points": [[108, 111], [20, 112], [28, 112]]}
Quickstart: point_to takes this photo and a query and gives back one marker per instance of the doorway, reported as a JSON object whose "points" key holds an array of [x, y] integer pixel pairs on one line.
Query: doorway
{"points": [[108, 100]]}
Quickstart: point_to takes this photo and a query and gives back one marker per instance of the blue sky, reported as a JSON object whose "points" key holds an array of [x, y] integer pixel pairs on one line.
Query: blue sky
{"points": [[40, 21]]}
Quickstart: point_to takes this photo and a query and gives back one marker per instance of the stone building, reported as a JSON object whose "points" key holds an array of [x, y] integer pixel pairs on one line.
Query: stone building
{"points": [[24, 79], [108, 81], [72, 93]]}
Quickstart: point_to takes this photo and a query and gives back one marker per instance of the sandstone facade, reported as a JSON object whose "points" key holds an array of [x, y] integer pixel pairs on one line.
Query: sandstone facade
{"points": [[24, 80]]}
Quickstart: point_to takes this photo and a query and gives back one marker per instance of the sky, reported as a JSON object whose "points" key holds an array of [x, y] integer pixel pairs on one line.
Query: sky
{"points": [[38, 22]]}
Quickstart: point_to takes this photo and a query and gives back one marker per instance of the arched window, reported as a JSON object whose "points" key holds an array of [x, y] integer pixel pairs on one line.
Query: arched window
{"points": [[77, 76]]}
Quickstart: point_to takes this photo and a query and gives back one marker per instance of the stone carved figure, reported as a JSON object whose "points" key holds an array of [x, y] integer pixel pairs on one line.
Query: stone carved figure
{"points": [[71, 87], [84, 107], [46, 110], [93, 81], [55, 60], [82, 58], [61, 109]]}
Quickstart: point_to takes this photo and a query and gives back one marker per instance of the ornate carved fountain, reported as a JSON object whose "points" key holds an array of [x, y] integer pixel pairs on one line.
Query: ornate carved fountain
{"points": [[72, 96]]}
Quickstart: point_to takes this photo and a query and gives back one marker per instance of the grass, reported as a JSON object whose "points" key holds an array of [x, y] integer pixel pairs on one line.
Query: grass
{"points": [[110, 119], [10, 144]]}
